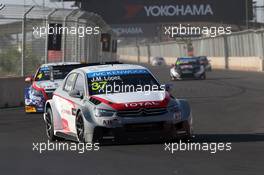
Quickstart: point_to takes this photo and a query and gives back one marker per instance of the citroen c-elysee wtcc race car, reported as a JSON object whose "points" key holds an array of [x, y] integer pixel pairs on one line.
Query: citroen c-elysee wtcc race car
{"points": [[188, 68], [83, 111], [47, 78]]}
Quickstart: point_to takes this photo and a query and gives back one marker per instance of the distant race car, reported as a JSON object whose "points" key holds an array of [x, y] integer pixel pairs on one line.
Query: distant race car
{"points": [[81, 110], [205, 62], [188, 68], [158, 61], [46, 80]]}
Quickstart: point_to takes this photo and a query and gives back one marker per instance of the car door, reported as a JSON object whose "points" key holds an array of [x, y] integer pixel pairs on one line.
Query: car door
{"points": [[78, 101], [65, 105]]}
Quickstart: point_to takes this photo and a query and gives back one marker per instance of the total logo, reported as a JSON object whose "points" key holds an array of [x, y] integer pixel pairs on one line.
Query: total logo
{"points": [[142, 104], [178, 10]]}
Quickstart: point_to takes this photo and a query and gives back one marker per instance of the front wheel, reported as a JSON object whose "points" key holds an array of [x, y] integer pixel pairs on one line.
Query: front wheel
{"points": [[203, 76], [188, 136], [80, 128], [49, 125]]}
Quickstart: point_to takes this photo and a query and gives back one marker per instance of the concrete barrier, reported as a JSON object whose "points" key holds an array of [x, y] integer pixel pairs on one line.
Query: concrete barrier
{"points": [[128, 58], [235, 63], [217, 62], [143, 59], [246, 63], [12, 92]]}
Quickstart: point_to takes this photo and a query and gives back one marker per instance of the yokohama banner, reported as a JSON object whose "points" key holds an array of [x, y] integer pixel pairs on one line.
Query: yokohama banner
{"points": [[161, 11]]}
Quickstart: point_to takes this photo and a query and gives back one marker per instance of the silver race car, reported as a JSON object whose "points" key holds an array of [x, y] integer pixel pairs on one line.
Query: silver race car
{"points": [[115, 101]]}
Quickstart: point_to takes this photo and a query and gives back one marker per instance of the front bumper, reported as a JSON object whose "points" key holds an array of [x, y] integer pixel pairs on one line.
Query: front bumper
{"points": [[179, 75], [33, 109], [144, 131]]}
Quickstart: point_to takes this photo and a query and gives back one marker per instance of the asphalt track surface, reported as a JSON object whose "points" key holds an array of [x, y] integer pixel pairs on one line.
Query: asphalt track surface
{"points": [[227, 107]]}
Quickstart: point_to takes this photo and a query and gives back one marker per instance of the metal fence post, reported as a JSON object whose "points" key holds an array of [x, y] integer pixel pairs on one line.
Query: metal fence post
{"points": [[138, 53], [226, 52], [64, 36], [260, 38], [149, 53], [85, 45], [47, 34], [24, 40], [77, 40]]}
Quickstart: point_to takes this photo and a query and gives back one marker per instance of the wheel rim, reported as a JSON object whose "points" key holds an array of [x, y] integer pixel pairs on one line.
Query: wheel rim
{"points": [[48, 125], [80, 128]]}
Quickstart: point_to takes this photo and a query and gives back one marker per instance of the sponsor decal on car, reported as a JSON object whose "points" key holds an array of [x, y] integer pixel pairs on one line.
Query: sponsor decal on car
{"points": [[142, 104], [30, 109], [117, 72]]}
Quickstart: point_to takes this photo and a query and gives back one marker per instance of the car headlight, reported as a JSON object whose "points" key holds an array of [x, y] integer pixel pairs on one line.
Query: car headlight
{"points": [[36, 92], [176, 112], [173, 108], [104, 112]]}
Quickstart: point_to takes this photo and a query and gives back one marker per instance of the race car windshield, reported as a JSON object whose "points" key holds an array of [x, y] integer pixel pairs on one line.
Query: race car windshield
{"points": [[187, 61], [43, 74], [121, 82], [60, 72], [55, 72], [203, 58]]}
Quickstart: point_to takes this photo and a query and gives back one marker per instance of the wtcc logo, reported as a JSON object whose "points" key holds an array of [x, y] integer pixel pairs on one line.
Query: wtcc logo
{"points": [[2, 6]]}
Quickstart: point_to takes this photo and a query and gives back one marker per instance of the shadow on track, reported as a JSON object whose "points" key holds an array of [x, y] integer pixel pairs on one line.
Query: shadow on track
{"points": [[199, 138], [258, 137]]}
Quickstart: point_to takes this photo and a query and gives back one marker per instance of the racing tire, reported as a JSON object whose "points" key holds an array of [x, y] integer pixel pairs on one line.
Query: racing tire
{"points": [[203, 76], [80, 128], [50, 126], [188, 137]]}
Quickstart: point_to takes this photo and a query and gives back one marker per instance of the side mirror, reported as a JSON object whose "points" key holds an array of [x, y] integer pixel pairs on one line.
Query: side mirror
{"points": [[28, 79], [76, 94], [168, 87]]}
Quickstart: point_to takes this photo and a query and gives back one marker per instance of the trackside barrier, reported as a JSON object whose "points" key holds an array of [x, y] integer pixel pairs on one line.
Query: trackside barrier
{"points": [[12, 92], [25, 32], [239, 51], [235, 63]]}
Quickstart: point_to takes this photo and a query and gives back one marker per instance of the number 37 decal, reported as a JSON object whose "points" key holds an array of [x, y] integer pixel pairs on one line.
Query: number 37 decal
{"points": [[98, 85]]}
